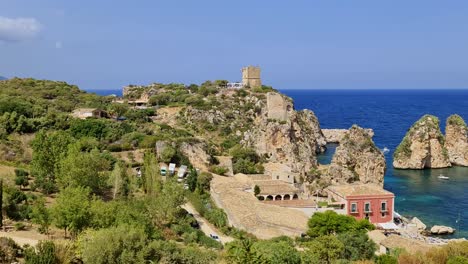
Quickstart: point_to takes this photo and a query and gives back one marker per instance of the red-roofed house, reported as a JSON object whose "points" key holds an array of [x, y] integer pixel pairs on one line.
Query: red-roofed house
{"points": [[364, 201]]}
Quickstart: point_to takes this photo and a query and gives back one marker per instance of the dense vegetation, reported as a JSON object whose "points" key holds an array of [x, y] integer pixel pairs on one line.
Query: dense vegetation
{"points": [[77, 179]]}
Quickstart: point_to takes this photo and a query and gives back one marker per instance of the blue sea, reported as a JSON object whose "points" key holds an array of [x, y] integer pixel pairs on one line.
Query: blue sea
{"points": [[390, 113]]}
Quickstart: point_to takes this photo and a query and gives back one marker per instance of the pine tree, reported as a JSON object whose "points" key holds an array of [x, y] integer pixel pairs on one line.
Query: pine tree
{"points": [[150, 176]]}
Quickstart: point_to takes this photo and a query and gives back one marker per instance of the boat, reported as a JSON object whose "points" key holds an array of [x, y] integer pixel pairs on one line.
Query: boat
{"points": [[385, 150], [442, 177]]}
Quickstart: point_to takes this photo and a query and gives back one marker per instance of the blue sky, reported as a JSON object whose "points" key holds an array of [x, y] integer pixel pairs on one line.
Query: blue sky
{"points": [[299, 44]]}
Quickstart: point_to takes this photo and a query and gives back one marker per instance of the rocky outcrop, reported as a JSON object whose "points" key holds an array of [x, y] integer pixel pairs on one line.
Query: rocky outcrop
{"points": [[456, 140], [422, 147], [335, 135], [357, 159], [442, 230], [286, 136], [194, 150], [419, 224], [197, 154]]}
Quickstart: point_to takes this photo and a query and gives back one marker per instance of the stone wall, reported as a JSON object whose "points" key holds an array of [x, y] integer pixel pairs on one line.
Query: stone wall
{"points": [[278, 107]]}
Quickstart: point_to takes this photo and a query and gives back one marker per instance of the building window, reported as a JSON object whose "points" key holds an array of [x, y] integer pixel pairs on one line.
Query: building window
{"points": [[277, 177], [354, 208], [383, 207], [367, 207], [384, 214]]}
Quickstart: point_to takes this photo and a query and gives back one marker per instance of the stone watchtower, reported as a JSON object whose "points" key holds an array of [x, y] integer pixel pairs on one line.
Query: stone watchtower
{"points": [[251, 76]]}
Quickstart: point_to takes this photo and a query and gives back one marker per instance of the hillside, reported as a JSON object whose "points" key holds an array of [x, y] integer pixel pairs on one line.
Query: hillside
{"points": [[94, 185]]}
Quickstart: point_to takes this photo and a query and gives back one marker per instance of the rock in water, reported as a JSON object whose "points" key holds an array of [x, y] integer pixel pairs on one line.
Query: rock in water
{"points": [[357, 159], [456, 140], [419, 224], [422, 147], [442, 230]]}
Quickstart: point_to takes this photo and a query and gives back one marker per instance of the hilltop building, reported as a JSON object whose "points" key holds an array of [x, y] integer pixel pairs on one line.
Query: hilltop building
{"points": [[251, 76], [367, 201], [83, 113]]}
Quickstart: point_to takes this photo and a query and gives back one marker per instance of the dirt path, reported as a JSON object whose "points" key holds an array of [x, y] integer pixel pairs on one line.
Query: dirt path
{"points": [[205, 226], [24, 237]]}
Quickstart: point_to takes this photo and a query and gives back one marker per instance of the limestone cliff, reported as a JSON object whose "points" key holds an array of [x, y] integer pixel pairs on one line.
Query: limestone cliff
{"points": [[456, 140], [286, 136], [357, 159], [266, 122], [335, 135], [422, 147]]}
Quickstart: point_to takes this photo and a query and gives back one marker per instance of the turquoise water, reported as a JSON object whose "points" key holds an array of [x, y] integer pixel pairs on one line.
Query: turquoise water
{"points": [[390, 113]]}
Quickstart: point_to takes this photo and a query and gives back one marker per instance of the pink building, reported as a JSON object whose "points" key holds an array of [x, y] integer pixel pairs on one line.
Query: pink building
{"points": [[364, 201]]}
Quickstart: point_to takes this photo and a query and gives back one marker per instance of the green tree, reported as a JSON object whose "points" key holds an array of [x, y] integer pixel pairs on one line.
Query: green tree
{"points": [[357, 246], [275, 252], [72, 210], [118, 109], [204, 180], [256, 190], [150, 174], [85, 169], [21, 178], [120, 244], [329, 222], [192, 179], [240, 251], [40, 215], [167, 154], [44, 253], [120, 181], [48, 150], [323, 249], [165, 206]]}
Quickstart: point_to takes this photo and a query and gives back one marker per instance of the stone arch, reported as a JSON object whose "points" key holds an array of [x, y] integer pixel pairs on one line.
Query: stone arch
{"points": [[261, 198], [287, 197], [295, 196], [269, 198], [278, 197]]}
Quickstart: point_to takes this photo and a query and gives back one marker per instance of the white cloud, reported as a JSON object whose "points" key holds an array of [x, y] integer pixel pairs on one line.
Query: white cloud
{"points": [[58, 44], [18, 29]]}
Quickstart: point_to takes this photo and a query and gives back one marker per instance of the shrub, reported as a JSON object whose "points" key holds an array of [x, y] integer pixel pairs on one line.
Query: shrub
{"points": [[19, 226], [9, 250], [220, 170]]}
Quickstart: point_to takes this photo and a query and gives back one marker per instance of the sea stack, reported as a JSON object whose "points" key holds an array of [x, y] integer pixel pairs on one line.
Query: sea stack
{"points": [[422, 147], [456, 140], [357, 159]]}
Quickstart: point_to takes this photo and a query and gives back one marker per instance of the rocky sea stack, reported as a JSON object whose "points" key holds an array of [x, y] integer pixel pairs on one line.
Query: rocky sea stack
{"points": [[357, 159], [456, 140], [422, 147]]}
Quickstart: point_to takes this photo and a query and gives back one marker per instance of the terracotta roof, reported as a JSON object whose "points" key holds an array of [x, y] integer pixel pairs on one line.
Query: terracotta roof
{"points": [[359, 189]]}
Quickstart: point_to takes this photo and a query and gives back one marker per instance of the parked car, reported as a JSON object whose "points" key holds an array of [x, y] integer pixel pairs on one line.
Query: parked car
{"points": [[215, 237], [163, 171]]}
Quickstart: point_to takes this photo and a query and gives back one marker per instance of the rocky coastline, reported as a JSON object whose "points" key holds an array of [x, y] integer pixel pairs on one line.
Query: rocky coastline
{"points": [[334, 135], [424, 145]]}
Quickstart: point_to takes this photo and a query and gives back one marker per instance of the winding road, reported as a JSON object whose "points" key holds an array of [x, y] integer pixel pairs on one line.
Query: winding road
{"points": [[205, 226]]}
